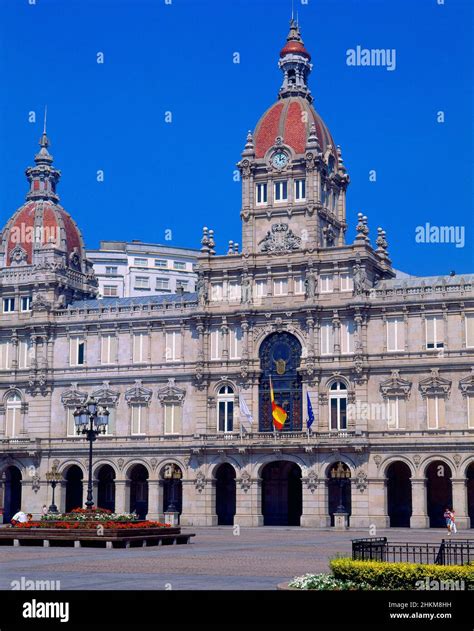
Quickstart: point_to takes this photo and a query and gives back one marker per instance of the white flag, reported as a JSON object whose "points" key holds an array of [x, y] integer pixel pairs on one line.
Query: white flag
{"points": [[244, 409]]}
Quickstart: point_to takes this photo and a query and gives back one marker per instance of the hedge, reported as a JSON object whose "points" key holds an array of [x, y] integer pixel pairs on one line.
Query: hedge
{"points": [[400, 575]]}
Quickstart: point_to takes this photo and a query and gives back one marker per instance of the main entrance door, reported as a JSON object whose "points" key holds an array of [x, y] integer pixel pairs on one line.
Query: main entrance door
{"points": [[439, 492], [282, 497], [225, 494], [399, 495], [12, 493], [73, 488]]}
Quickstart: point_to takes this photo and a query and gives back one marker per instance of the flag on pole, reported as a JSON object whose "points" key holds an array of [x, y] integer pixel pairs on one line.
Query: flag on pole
{"points": [[310, 412], [244, 409], [278, 413]]}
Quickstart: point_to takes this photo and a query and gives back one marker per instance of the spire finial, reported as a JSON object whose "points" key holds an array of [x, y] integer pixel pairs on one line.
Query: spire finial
{"points": [[45, 117]]}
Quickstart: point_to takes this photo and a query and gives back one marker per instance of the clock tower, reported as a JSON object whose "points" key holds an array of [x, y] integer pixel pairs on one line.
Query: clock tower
{"points": [[293, 177]]}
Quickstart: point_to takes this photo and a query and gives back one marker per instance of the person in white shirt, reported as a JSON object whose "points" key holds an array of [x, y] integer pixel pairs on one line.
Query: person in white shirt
{"points": [[21, 518]]}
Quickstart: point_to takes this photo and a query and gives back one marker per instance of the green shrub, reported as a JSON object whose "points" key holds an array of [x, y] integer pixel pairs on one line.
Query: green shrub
{"points": [[325, 581], [401, 575]]}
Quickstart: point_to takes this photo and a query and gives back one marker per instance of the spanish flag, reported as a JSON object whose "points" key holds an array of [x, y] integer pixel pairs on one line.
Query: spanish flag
{"points": [[278, 413]]}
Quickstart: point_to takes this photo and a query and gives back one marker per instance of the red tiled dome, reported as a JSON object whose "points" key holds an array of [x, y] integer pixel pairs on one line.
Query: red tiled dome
{"points": [[295, 47], [44, 221], [285, 118]]}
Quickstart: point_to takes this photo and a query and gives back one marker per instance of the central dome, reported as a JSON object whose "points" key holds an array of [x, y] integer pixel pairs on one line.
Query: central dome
{"points": [[291, 118]]}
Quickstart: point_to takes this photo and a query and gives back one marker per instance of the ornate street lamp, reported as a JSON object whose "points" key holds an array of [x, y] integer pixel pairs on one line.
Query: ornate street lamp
{"points": [[340, 473], [53, 477], [91, 419], [174, 474]]}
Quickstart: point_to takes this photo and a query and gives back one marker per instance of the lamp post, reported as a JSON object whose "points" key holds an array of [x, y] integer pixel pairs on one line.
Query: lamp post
{"points": [[53, 477], [91, 419], [341, 474], [172, 473]]}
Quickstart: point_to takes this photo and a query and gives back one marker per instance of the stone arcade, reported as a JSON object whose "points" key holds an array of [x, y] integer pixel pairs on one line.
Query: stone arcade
{"points": [[296, 302]]}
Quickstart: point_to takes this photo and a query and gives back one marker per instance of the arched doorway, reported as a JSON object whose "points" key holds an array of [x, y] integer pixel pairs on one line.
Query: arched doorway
{"points": [[74, 478], [11, 478], [470, 492], [439, 492], [225, 494], [139, 490], [280, 358], [106, 488], [339, 490], [172, 476], [282, 495], [399, 504]]}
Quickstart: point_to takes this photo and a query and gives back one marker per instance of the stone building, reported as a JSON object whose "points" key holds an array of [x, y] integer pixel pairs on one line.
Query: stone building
{"points": [[385, 362]]}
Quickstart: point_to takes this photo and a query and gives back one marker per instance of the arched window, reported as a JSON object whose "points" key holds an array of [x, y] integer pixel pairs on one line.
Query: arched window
{"points": [[13, 415], [338, 406], [225, 409]]}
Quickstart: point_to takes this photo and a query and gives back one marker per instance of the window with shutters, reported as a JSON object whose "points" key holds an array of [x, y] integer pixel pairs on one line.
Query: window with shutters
{"points": [[395, 334], [280, 287], [235, 342], [346, 282], [138, 412], [393, 405], [217, 291], [299, 287], [347, 336], [13, 415], [327, 338], [215, 344], [261, 288], [326, 283], [234, 291], [470, 411], [434, 332], [173, 418], [108, 352], [470, 330], [140, 348], [25, 350], [435, 412], [70, 422], [173, 346]]}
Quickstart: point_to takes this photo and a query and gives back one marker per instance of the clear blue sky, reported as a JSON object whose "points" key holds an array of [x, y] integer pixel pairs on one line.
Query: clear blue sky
{"points": [[179, 58]]}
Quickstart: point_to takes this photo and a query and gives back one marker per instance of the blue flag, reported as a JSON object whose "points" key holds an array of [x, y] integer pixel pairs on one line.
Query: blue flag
{"points": [[310, 412]]}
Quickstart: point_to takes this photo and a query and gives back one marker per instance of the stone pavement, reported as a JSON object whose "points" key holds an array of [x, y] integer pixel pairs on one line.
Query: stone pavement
{"points": [[258, 558]]}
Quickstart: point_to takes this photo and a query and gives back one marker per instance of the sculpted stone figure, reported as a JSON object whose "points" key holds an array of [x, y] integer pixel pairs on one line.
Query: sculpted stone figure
{"points": [[246, 289], [360, 280], [311, 284], [202, 290]]}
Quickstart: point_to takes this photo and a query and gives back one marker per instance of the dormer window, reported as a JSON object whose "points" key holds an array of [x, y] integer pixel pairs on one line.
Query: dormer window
{"points": [[281, 191], [261, 192], [300, 190]]}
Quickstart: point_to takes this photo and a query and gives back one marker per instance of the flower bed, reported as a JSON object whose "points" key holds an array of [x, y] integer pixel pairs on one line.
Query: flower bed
{"points": [[327, 582], [91, 525], [83, 515]]}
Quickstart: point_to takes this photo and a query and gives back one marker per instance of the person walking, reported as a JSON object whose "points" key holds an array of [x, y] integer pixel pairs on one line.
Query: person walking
{"points": [[447, 517], [452, 513]]}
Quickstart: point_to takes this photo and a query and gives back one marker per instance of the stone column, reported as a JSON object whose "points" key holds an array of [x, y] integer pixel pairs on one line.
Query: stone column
{"points": [[315, 513], [460, 503], [154, 508], [249, 501], [419, 516], [122, 496], [377, 507], [199, 502]]}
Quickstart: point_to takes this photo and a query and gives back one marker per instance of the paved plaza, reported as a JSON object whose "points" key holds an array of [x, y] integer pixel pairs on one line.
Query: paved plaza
{"points": [[217, 559]]}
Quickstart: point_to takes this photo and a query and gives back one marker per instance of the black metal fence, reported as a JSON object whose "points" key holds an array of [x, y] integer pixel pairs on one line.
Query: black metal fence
{"points": [[448, 552]]}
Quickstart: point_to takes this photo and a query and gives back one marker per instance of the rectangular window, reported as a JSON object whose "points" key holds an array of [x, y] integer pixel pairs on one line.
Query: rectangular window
{"points": [[162, 283], [26, 303], [338, 413], [347, 336], [140, 262], [12, 420], [225, 418], [435, 412], [24, 349], [280, 287], [77, 351], [110, 291], [393, 412], [234, 291], [5, 356], [470, 330], [470, 411], [140, 348], [182, 283], [173, 418], [215, 344], [161, 263], [179, 265], [327, 338], [173, 347], [70, 422], [434, 332], [326, 283], [142, 282], [300, 190], [281, 191], [138, 417], [217, 291], [299, 285], [235, 334], [111, 271], [261, 288], [262, 197], [395, 334], [8, 305], [347, 283], [108, 351]]}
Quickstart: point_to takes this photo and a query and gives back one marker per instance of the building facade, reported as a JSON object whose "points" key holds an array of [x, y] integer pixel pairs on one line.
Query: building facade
{"points": [[128, 270], [385, 362]]}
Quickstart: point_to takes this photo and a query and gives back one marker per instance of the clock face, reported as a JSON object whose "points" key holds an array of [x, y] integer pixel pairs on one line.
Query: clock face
{"points": [[280, 160]]}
